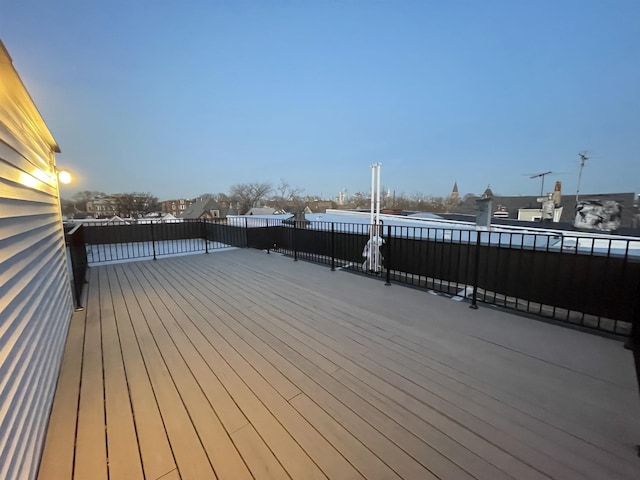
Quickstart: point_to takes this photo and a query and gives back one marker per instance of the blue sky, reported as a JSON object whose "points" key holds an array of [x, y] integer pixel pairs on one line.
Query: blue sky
{"points": [[180, 98]]}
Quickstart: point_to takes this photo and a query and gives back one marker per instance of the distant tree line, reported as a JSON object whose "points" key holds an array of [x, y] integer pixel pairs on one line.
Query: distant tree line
{"points": [[243, 196], [89, 203]]}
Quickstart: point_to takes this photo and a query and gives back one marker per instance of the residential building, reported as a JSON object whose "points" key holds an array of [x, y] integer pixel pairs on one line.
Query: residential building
{"points": [[530, 207], [262, 211], [321, 206], [177, 206], [103, 207], [206, 208]]}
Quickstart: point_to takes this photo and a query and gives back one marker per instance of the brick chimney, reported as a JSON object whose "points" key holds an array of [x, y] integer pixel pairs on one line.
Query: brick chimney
{"points": [[557, 193]]}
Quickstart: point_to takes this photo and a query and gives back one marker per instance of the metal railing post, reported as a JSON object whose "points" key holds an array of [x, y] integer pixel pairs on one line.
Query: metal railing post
{"points": [[246, 232], [153, 241], [474, 295], [206, 236], [268, 237], [387, 257], [333, 247], [295, 247]]}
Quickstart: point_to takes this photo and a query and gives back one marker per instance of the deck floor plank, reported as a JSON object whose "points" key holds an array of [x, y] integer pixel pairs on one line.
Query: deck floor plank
{"points": [[224, 457], [500, 377], [155, 450], [439, 441], [91, 444], [191, 459], [325, 383], [122, 442], [262, 462], [240, 364], [219, 355], [58, 455], [231, 346]]}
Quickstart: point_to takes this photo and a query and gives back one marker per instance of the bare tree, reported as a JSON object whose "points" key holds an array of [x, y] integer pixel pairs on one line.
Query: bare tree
{"points": [[359, 200], [135, 204], [285, 193], [218, 197], [80, 199], [68, 206], [248, 195], [401, 201]]}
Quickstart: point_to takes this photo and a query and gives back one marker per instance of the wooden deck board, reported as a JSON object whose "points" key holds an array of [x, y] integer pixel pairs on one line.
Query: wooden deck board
{"points": [[241, 364], [424, 431], [326, 457], [219, 448], [454, 358], [122, 442], [155, 450], [58, 455], [191, 459], [91, 445]]}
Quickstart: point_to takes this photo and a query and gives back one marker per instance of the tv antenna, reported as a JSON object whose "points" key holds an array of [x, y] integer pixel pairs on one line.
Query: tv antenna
{"points": [[583, 159], [541, 175]]}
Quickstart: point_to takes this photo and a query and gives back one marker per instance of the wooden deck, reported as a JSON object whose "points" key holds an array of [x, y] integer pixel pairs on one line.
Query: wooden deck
{"points": [[240, 365]]}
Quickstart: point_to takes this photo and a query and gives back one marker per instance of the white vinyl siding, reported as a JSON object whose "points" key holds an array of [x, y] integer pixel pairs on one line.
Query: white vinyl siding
{"points": [[35, 295]]}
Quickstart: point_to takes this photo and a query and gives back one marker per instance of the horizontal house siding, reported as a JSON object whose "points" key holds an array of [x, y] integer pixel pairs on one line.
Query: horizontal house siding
{"points": [[35, 295]]}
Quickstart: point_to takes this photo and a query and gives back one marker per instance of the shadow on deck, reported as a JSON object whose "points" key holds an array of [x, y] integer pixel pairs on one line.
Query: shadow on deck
{"points": [[239, 365]]}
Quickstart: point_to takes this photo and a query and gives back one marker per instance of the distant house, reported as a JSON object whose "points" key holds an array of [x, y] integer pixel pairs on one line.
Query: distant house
{"points": [[529, 208], [103, 207], [176, 207], [321, 206], [262, 211], [206, 208], [296, 210]]}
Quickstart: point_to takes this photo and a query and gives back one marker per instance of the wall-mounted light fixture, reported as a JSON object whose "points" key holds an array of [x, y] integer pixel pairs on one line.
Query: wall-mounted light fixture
{"points": [[64, 176]]}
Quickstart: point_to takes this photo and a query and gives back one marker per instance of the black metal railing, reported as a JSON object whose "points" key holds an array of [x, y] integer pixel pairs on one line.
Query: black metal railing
{"points": [[126, 241], [76, 246], [585, 281]]}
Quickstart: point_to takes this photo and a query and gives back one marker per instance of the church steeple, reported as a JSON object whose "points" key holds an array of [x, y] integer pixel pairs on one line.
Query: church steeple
{"points": [[455, 196]]}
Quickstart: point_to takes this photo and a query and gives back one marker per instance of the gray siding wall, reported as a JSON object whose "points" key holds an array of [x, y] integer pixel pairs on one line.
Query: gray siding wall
{"points": [[35, 296]]}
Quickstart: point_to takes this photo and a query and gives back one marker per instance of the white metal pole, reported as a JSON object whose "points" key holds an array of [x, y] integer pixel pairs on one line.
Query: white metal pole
{"points": [[371, 221], [379, 167], [378, 233], [373, 176]]}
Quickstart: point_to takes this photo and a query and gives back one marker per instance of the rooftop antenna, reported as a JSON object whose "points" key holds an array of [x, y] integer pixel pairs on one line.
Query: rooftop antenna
{"points": [[543, 174], [583, 159]]}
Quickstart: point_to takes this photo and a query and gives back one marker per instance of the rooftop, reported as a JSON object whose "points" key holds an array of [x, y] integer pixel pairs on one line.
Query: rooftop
{"points": [[243, 364]]}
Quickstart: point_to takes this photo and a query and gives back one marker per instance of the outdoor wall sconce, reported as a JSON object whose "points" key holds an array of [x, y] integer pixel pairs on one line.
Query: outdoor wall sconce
{"points": [[64, 176]]}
